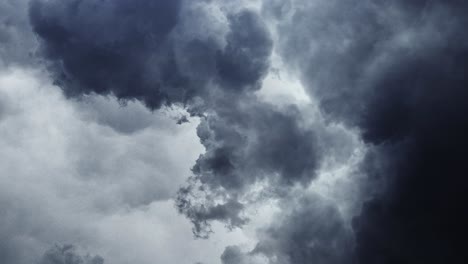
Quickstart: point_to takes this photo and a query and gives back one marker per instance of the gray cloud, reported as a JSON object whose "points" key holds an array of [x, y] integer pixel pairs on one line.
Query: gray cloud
{"points": [[248, 142], [394, 69], [312, 230], [391, 71], [17, 43], [245, 59], [107, 47], [148, 58], [66, 254], [233, 255], [240, 153], [236, 69], [79, 181], [306, 229]]}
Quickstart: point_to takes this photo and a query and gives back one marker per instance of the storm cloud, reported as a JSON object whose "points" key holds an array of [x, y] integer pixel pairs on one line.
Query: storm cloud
{"points": [[309, 229], [321, 131], [396, 70], [233, 158], [240, 154], [137, 50], [106, 46]]}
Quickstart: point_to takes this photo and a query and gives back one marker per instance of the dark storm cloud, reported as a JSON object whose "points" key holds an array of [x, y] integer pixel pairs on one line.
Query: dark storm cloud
{"points": [[244, 61], [397, 70], [120, 49], [246, 143], [67, 254], [133, 50], [332, 43], [421, 106], [308, 229], [108, 46], [239, 146], [393, 69]]}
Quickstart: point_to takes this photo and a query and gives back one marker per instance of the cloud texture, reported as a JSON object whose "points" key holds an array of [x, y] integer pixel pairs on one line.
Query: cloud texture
{"points": [[367, 166]]}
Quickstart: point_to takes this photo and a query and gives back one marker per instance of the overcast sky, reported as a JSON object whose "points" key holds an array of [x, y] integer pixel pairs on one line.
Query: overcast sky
{"points": [[233, 132]]}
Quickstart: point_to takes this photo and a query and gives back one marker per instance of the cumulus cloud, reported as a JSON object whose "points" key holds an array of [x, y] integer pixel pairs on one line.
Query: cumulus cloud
{"points": [[68, 177], [394, 70], [345, 120], [234, 70], [239, 154], [308, 229], [138, 51], [253, 149], [105, 47]]}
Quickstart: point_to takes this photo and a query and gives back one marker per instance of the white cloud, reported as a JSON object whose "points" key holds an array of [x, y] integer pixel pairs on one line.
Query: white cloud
{"points": [[69, 173]]}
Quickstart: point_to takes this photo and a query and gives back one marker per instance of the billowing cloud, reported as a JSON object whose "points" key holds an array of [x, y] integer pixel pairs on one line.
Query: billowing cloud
{"points": [[308, 229], [239, 154], [343, 121], [253, 149], [394, 69], [305, 228], [78, 179], [108, 46], [233, 158], [138, 51]]}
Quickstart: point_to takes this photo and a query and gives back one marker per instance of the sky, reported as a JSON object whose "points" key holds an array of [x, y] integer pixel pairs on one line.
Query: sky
{"points": [[233, 131]]}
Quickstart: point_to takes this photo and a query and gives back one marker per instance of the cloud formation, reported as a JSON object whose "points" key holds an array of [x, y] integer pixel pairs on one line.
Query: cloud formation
{"points": [[138, 50], [395, 70], [309, 229], [107, 46], [79, 180], [367, 168], [232, 72]]}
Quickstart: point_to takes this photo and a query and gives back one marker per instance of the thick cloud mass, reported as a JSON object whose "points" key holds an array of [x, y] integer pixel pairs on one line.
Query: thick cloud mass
{"points": [[364, 162], [109, 46], [396, 70], [239, 147], [245, 58], [309, 229], [71, 174], [135, 50], [240, 153], [152, 59]]}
